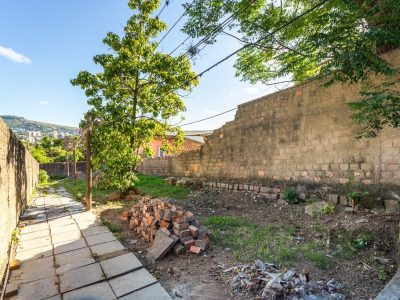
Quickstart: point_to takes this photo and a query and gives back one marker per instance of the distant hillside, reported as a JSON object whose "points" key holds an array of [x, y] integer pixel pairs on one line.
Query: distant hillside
{"points": [[20, 126]]}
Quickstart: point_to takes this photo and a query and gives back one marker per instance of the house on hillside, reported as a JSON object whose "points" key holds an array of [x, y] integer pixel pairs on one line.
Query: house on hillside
{"points": [[192, 141]]}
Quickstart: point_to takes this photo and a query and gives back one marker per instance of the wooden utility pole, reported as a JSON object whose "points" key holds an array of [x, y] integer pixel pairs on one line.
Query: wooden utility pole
{"points": [[89, 161], [74, 141], [67, 164]]}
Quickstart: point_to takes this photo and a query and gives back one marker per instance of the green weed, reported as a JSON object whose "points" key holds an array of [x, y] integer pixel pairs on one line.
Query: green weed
{"points": [[289, 195]]}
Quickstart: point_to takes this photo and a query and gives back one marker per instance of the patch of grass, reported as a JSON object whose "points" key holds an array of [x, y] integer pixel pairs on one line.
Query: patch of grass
{"points": [[315, 252], [153, 186], [271, 243], [351, 243], [15, 236], [79, 190], [114, 228], [157, 187], [382, 273]]}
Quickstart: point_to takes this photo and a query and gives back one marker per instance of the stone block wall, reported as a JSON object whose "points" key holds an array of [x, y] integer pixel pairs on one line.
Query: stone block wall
{"points": [[303, 133], [19, 173]]}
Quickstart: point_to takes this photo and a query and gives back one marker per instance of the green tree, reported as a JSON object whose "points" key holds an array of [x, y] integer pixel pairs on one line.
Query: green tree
{"points": [[340, 41], [135, 96]]}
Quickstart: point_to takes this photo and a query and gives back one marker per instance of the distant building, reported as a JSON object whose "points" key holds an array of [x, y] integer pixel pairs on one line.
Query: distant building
{"points": [[192, 141], [33, 136], [54, 134]]}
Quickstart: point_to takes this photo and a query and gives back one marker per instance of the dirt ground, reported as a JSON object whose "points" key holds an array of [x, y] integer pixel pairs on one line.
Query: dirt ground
{"points": [[190, 276]]}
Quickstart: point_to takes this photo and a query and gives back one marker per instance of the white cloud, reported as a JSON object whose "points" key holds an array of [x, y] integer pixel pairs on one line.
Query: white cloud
{"points": [[44, 103], [210, 112], [231, 93], [251, 90], [14, 56]]}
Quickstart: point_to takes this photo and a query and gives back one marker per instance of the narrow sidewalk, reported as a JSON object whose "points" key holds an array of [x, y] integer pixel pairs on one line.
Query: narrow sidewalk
{"points": [[66, 253]]}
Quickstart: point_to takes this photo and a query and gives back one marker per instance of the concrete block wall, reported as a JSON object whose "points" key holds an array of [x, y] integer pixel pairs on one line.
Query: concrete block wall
{"points": [[303, 133], [60, 169], [19, 173]]}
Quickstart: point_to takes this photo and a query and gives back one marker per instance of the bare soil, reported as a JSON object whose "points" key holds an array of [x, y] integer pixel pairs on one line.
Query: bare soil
{"points": [[190, 276]]}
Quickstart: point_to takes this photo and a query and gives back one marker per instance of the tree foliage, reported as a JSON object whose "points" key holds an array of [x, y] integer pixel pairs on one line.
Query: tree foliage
{"points": [[53, 150], [135, 95], [341, 41]]}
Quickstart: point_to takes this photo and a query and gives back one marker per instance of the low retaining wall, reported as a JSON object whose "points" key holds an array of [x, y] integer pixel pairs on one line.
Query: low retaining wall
{"points": [[19, 173], [60, 169]]}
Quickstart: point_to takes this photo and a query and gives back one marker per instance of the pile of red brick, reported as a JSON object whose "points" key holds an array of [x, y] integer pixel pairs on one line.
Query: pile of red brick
{"points": [[167, 227]]}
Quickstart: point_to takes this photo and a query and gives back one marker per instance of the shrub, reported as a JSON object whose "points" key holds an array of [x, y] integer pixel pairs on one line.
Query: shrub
{"points": [[328, 209], [43, 177], [357, 196], [289, 195], [362, 241]]}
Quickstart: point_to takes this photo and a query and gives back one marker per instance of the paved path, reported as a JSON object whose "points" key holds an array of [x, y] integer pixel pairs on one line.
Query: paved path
{"points": [[66, 253]]}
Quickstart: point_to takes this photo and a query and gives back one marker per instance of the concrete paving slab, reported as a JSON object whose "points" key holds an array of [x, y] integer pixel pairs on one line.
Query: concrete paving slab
{"points": [[107, 248], [34, 235], [74, 265], [100, 238], [40, 289], [80, 277], [120, 264], [56, 297], [155, 291], [98, 291], [61, 221], [66, 236], [34, 270], [62, 229], [34, 228], [73, 256], [85, 216], [131, 282], [35, 253], [88, 224], [93, 230], [39, 242], [69, 246]]}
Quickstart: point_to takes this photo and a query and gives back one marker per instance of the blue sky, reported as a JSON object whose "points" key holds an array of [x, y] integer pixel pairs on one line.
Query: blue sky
{"points": [[45, 43]]}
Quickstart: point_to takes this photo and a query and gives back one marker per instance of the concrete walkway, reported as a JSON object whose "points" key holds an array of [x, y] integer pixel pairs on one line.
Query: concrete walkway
{"points": [[66, 253]]}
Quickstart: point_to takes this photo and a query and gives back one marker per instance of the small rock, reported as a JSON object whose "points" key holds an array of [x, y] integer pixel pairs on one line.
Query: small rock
{"points": [[133, 242], [392, 206], [348, 210], [361, 221]]}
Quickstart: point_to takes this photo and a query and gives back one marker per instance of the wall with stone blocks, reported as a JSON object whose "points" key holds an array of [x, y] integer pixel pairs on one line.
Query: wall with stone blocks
{"points": [[303, 133], [60, 169], [19, 173]]}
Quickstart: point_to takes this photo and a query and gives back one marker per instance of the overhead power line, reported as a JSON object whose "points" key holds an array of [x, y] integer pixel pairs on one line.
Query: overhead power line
{"points": [[208, 118], [244, 47], [176, 23], [264, 37], [162, 9], [213, 33], [219, 29]]}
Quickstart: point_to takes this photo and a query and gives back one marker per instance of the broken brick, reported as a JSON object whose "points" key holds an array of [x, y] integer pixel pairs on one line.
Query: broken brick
{"points": [[194, 231], [188, 242], [14, 264], [203, 243], [181, 226], [196, 249], [179, 249]]}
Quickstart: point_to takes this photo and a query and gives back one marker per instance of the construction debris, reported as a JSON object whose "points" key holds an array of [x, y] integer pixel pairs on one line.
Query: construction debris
{"points": [[268, 281], [167, 227]]}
